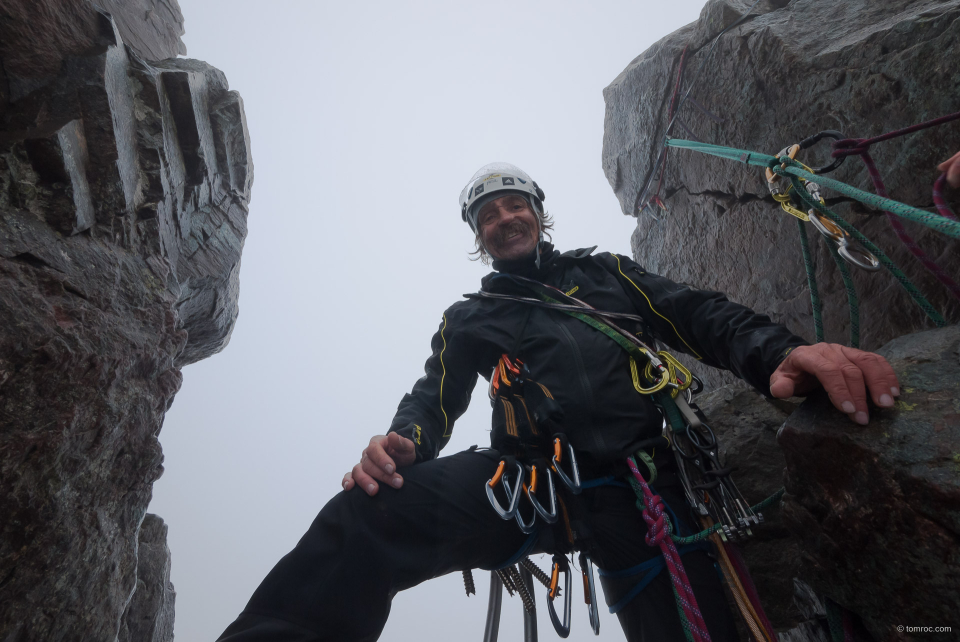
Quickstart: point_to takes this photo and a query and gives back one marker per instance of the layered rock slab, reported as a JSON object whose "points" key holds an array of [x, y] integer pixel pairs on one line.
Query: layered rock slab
{"points": [[790, 70], [876, 508], [124, 186]]}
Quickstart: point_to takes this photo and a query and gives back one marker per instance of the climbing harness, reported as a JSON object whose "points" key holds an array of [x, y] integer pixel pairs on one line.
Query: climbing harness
{"points": [[528, 433], [708, 487]]}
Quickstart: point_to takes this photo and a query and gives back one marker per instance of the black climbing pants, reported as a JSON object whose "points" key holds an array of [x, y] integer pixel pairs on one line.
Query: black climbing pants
{"points": [[338, 583]]}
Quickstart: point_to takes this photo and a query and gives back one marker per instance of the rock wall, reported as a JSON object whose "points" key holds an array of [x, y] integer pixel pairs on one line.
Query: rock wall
{"points": [[125, 176], [149, 615], [876, 508], [792, 69]]}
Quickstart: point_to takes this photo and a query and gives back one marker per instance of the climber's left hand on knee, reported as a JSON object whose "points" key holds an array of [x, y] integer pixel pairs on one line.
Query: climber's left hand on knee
{"points": [[847, 374]]}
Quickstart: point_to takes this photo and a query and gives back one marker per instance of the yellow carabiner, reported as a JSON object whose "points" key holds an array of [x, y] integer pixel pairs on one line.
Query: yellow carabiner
{"points": [[673, 366], [657, 387], [784, 200]]}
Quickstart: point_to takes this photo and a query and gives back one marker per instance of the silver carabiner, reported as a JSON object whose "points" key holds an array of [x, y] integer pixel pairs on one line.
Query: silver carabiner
{"points": [[512, 497], [551, 516], [858, 256], [590, 592], [572, 484], [563, 629]]}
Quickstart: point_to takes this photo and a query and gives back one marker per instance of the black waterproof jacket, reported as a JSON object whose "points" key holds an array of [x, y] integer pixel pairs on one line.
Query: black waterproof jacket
{"points": [[588, 374]]}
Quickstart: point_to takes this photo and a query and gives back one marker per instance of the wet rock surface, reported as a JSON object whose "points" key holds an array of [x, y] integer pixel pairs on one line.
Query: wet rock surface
{"points": [[124, 184], [876, 508], [791, 70]]}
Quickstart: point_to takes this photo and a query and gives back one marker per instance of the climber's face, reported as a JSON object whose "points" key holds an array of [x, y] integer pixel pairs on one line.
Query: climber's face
{"points": [[508, 227]]}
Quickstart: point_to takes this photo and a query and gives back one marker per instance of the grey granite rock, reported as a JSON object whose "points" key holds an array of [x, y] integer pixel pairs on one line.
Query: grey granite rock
{"points": [[876, 508], [124, 186], [791, 70], [149, 615]]}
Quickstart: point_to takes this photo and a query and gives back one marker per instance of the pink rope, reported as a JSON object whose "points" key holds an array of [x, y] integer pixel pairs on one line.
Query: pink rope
{"points": [[942, 208], [740, 566], [673, 102], [658, 535], [847, 626], [902, 233], [854, 146]]}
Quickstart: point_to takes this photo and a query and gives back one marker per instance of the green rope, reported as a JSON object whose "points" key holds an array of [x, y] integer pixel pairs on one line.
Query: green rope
{"points": [[852, 300], [834, 620], [702, 535], [914, 293], [811, 282], [683, 616], [941, 224], [933, 221]]}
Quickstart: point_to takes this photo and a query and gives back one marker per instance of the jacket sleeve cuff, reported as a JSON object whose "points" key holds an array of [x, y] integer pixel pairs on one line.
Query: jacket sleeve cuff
{"points": [[422, 443]]}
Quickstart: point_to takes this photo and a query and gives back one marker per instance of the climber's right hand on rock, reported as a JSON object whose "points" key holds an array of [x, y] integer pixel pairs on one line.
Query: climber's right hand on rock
{"points": [[379, 462], [951, 167]]}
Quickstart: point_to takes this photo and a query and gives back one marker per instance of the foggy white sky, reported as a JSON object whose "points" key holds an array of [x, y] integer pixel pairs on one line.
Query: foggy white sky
{"points": [[366, 120]]}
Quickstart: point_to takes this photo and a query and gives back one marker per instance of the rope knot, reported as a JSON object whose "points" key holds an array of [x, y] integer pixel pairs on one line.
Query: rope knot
{"points": [[850, 147], [658, 527]]}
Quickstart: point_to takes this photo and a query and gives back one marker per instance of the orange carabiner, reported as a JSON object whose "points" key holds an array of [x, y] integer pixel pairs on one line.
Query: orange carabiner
{"points": [[554, 581], [497, 475]]}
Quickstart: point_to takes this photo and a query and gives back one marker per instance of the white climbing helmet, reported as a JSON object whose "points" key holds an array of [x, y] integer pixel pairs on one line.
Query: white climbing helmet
{"points": [[493, 181]]}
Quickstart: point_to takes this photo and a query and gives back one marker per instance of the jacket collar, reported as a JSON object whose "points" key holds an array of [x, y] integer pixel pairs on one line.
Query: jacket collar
{"points": [[526, 267]]}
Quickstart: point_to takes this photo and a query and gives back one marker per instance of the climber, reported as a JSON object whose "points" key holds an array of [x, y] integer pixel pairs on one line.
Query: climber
{"points": [[417, 516]]}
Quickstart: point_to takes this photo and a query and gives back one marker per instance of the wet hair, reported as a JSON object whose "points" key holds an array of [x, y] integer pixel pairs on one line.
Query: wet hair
{"points": [[480, 253]]}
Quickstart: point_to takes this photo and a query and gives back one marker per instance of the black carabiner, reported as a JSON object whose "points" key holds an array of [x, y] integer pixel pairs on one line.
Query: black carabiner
{"points": [[816, 138]]}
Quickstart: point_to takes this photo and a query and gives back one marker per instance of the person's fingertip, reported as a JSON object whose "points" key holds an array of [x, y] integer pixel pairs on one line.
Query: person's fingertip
{"points": [[371, 488], [397, 482], [861, 418], [895, 391], [886, 401], [848, 407], [388, 469]]}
